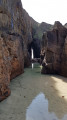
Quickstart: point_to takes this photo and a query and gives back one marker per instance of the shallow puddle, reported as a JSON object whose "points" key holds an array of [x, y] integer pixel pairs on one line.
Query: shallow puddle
{"points": [[38, 110], [36, 97]]}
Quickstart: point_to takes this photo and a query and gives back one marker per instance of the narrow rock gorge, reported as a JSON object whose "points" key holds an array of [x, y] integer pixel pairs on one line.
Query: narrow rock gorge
{"points": [[19, 33], [17, 37]]}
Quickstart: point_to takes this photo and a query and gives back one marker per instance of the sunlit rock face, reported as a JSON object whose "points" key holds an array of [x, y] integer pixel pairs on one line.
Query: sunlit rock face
{"points": [[54, 50], [5, 68], [12, 33]]}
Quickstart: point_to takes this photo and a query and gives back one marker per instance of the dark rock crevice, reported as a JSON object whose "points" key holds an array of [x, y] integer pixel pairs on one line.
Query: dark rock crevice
{"points": [[36, 49]]}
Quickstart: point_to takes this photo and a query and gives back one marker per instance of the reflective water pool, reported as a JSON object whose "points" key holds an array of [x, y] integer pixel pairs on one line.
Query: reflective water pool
{"points": [[36, 97], [38, 110]]}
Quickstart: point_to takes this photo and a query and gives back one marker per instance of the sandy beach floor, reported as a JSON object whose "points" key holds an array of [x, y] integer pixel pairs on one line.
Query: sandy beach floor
{"points": [[36, 97]]}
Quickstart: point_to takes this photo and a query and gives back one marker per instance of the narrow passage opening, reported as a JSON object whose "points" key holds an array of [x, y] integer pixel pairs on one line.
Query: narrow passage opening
{"points": [[32, 56], [32, 53]]}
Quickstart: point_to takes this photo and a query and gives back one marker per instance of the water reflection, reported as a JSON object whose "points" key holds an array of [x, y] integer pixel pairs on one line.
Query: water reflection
{"points": [[38, 110]]}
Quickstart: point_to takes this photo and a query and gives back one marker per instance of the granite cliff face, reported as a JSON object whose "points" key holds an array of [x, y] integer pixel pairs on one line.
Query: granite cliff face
{"points": [[54, 50]]}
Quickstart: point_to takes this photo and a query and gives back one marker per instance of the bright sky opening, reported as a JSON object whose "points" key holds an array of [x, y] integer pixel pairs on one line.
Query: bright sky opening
{"points": [[47, 10]]}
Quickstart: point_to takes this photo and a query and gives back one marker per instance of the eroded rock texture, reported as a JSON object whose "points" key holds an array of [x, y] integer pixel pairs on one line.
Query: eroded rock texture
{"points": [[54, 50], [5, 68], [12, 30]]}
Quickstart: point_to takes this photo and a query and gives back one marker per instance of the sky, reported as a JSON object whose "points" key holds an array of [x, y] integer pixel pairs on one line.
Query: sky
{"points": [[47, 10]]}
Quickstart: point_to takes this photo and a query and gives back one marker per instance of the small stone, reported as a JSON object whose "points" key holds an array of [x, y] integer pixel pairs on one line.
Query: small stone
{"points": [[62, 96]]}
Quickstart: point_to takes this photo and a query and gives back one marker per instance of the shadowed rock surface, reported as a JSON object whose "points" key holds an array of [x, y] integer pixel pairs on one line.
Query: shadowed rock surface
{"points": [[54, 50], [37, 33]]}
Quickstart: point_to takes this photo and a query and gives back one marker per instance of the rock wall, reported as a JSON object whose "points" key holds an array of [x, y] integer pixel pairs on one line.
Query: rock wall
{"points": [[54, 50], [12, 35], [27, 38], [64, 59]]}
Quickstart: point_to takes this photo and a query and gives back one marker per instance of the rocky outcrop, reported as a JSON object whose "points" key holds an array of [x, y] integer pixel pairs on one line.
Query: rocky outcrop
{"points": [[11, 62], [54, 50], [65, 25], [12, 32]]}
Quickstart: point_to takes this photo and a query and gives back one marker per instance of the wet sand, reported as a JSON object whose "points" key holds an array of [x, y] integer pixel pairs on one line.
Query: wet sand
{"points": [[36, 97]]}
